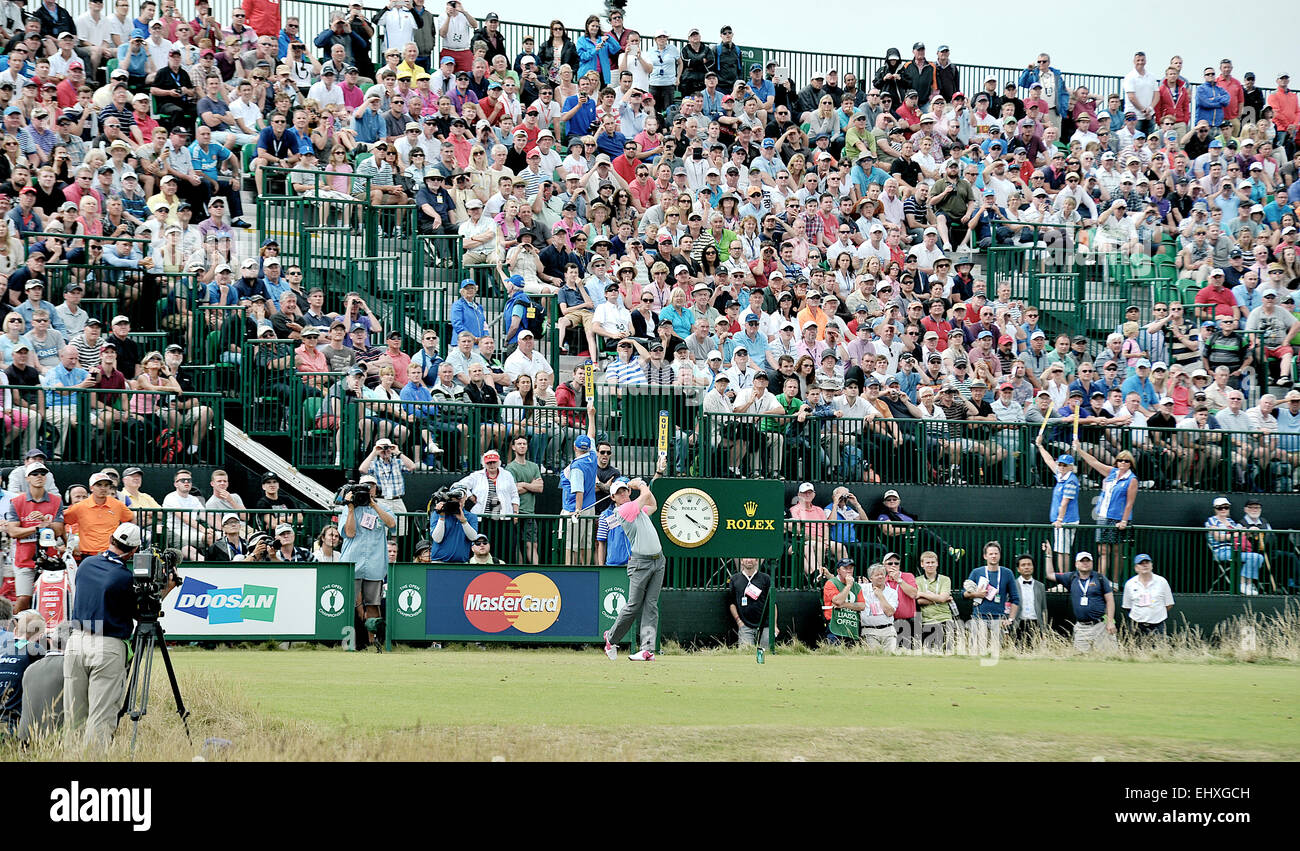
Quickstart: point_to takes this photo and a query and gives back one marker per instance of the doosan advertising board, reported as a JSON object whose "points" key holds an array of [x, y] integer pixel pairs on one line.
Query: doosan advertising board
{"points": [[235, 602]]}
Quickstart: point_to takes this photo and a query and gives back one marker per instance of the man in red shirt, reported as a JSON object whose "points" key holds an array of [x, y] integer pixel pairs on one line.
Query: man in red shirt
{"points": [[29, 511], [263, 16], [1235, 91], [1286, 110], [66, 91], [1215, 299], [936, 322], [625, 166], [906, 622]]}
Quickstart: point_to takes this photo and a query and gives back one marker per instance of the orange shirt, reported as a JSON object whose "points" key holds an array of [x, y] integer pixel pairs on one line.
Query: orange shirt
{"points": [[828, 593], [96, 523], [815, 315]]}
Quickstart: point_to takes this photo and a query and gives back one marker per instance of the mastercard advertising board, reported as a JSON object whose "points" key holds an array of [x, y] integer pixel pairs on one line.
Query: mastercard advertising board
{"points": [[449, 602]]}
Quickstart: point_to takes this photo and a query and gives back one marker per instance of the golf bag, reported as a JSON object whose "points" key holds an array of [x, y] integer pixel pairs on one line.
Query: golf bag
{"points": [[54, 592]]}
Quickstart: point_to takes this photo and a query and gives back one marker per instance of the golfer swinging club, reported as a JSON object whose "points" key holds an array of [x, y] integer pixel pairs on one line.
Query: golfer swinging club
{"points": [[645, 568]]}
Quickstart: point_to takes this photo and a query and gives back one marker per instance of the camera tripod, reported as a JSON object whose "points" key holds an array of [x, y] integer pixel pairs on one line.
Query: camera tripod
{"points": [[148, 636]]}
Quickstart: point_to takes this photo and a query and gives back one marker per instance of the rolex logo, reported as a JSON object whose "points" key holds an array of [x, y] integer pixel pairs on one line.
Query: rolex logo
{"points": [[750, 508]]}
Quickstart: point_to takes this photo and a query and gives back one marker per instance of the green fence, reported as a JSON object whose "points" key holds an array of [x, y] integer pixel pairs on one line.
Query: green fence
{"points": [[463, 431], [139, 427], [889, 451], [1180, 554]]}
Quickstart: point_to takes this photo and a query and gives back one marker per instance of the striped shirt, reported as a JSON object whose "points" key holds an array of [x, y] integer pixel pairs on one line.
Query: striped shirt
{"points": [[379, 174], [392, 484], [630, 372]]}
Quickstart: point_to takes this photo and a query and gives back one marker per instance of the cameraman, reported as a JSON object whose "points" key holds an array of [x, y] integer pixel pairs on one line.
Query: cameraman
{"points": [[364, 525], [29, 510], [451, 527], [103, 615]]}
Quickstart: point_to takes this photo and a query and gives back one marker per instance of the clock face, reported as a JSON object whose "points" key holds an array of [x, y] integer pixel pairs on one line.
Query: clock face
{"points": [[689, 517]]}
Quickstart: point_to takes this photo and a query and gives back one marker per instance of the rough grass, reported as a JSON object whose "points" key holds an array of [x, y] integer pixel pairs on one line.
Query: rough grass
{"points": [[547, 704]]}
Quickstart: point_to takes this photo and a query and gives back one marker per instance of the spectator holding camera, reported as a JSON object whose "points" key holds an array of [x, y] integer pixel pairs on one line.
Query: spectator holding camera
{"points": [[452, 527], [388, 465], [364, 525]]}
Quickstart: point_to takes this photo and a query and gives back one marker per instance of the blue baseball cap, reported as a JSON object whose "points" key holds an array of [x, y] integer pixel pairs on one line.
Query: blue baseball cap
{"points": [[768, 143], [515, 280], [984, 334], [1216, 144], [13, 110], [1065, 459], [583, 442], [1143, 362], [468, 282], [1141, 557]]}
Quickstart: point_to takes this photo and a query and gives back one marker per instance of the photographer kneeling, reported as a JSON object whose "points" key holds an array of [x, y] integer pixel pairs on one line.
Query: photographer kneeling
{"points": [[452, 526], [364, 525], [103, 614]]}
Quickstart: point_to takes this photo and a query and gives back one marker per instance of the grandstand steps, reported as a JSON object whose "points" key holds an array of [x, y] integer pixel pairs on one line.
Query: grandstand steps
{"points": [[267, 460]]}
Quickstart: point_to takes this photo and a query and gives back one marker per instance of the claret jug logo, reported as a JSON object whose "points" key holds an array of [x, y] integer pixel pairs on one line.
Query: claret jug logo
{"points": [[530, 602]]}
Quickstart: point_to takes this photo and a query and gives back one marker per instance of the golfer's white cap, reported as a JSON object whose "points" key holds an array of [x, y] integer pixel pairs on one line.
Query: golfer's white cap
{"points": [[128, 535]]}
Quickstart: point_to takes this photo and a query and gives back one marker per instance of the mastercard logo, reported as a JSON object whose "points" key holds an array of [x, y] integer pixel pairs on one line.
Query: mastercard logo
{"points": [[494, 602]]}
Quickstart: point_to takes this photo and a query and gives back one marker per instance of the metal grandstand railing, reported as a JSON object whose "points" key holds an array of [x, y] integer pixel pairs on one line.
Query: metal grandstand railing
{"points": [[314, 17], [1183, 555], [140, 427]]}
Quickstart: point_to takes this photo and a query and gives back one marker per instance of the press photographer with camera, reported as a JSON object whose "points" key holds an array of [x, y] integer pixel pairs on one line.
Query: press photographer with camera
{"points": [[29, 511], [452, 526], [103, 618], [364, 525]]}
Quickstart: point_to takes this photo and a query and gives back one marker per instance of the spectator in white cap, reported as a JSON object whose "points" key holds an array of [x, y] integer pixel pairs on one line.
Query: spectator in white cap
{"points": [[285, 549], [187, 525], [388, 464], [526, 360], [231, 546], [1092, 599], [1228, 545]]}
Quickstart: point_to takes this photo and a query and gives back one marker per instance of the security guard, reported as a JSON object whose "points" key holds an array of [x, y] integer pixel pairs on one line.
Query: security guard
{"points": [[94, 664]]}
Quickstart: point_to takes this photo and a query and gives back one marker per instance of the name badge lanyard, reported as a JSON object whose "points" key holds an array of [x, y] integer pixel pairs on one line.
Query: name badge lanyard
{"points": [[1083, 594]]}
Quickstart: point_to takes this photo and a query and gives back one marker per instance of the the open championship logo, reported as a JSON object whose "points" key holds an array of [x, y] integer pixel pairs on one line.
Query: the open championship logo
{"points": [[611, 600], [410, 602], [226, 605], [332, 600]]}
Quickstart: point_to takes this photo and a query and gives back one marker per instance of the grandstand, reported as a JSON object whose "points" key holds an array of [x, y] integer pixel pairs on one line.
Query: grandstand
{"points": [[384, 222]]}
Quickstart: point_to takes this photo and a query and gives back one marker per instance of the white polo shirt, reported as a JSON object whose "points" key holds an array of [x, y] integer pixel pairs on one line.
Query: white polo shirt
{"points": [[1147, 603]]}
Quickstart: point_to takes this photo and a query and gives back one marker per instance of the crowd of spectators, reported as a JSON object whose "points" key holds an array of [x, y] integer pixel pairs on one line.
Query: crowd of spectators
{"points": [[805, 256]]}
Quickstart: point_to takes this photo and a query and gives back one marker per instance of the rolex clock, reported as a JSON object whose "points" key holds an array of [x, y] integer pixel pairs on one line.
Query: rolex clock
{"points": [[689, 517]]}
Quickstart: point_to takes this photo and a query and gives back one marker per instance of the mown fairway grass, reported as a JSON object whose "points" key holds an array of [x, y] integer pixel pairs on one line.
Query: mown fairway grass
{"points": [[562, 704]]}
